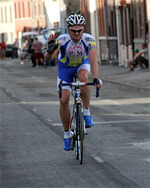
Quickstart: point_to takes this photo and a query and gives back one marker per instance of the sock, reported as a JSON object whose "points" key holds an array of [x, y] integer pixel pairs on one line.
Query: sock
{"points": [[67, 134], [86, 112]]}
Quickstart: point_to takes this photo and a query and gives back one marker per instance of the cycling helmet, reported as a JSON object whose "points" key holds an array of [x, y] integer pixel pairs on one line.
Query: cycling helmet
{"points": [[75, 19]]}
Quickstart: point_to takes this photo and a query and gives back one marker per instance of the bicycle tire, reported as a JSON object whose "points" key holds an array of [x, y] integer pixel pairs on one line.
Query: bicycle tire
{"points": [[79, 134], [72, 126]]}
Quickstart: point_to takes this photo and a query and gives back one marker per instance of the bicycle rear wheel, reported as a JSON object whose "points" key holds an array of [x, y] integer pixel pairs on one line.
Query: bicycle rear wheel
{"points": [[79, 134]]}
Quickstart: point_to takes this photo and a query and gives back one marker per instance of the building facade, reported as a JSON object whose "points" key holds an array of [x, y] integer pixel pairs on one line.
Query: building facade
{"points": [[19, 16], [122, 25], [7, 21], [29, 16], [55, 11], [118, 26]]}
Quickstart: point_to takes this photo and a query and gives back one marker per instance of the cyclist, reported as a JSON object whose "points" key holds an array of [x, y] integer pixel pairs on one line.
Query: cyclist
{"points": [[76, 53]]}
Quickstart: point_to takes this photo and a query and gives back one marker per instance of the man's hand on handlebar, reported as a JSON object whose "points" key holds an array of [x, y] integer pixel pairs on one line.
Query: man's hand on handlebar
{"points": [[98, 83]]}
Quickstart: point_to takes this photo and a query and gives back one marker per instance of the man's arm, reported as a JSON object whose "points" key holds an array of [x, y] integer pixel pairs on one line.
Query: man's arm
{"points": [[93, 62], [49, 57], [139, 54]]}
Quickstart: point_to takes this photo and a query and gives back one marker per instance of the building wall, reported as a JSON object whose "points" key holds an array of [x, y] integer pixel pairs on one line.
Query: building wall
{"points": [[7, 21], [107, 31], [85, 11], [38, 14], [29, 15], [148, 26], [133, 32], [55, 11]]}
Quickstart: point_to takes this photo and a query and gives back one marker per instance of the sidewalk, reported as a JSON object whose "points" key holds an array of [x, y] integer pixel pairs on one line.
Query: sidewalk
{"points": [[138, 79]]}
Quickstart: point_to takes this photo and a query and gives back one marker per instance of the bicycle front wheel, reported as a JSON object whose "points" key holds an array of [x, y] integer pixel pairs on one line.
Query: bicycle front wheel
{"points": [[79, 134]]}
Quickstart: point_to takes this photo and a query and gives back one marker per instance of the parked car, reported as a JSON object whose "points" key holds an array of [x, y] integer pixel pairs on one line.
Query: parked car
{"points": [[55, 31], [28, 36], [10, 51]]}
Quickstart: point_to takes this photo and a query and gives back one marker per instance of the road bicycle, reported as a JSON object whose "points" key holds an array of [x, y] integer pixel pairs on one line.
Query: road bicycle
{"points": [[77, 124]]}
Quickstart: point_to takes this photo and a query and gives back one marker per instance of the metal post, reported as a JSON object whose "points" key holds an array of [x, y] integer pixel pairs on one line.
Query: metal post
{"points": [[118, 31], [132, 25], [106, 29]]}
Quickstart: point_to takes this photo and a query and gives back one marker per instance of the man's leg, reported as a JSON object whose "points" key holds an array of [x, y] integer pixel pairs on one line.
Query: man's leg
{"points": [[65, 118], [142, 61], [83, 75], [37, 62], [64, 109]]}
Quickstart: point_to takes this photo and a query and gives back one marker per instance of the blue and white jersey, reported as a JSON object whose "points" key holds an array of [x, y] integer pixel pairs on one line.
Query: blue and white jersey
{"points": [[72, 55]]}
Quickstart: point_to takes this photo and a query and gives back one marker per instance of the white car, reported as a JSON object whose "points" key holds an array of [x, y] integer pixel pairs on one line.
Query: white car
{"points": [[55, 31]]}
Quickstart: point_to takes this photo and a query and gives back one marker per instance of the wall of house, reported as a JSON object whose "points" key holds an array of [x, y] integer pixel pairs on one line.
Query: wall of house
{"points": [[132, 27], [7, 20], [55, 13], [29, 15], [107, 31], [148, 26]]}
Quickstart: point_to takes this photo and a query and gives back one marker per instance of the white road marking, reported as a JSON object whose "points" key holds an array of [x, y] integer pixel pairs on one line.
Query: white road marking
{"points": [[98, 159], [49, 120], [57, 124], [121, 121], [147, 160], [120, 101], [102, 102], [110, 122], [142, 145], [34, 110]]}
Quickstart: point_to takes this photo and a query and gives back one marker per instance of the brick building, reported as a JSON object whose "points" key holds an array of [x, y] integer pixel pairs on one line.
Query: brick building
{"points": [[133, 27], [119, 26], [7, 21], [105, 15], [122, 26], [29, 15]]}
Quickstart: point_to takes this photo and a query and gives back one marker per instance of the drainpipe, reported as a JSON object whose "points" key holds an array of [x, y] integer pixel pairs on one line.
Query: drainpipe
{"points": [[118, 31], [31, 10], [106, 29], [132, 25]]}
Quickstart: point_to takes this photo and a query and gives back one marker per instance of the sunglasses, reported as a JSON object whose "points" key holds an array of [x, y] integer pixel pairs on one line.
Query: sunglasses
{"points": [[76, 30]]}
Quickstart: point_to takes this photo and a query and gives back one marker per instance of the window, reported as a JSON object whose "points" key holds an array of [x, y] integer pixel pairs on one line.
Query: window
{"points": [[15, 11], [35, 10], [19, 11], [5, 14], [56, 24], [44, 10], [10, 14], [40, 13], [2, 18], [28, 8], [23, 14]]}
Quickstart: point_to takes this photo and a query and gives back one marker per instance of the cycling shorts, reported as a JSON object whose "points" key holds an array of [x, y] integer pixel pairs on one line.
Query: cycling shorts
{"points": [[70, 72]]}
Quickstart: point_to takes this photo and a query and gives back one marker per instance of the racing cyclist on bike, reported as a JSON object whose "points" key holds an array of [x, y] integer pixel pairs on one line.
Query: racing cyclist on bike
{"points": [[76, 54]]}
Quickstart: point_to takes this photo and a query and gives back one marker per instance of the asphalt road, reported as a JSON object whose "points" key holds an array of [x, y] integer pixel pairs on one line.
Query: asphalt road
{"points": [[116, 149]]}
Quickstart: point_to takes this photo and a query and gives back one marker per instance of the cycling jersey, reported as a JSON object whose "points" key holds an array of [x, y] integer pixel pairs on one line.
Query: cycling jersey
{"points": [[72, 55]]}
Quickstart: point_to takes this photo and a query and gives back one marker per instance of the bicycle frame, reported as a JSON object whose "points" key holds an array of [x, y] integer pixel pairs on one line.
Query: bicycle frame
{"points": [[77, 119]]}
